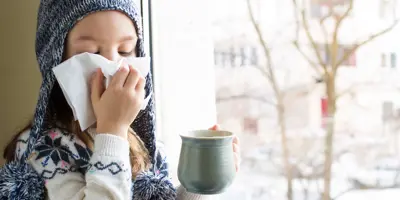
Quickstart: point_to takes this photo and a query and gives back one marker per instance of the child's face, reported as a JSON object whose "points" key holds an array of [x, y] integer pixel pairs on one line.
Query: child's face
{"points": [[109, 33]]}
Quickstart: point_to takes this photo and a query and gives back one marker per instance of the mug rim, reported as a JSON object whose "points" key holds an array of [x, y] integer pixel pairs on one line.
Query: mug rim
{"points": [[184, 135]]}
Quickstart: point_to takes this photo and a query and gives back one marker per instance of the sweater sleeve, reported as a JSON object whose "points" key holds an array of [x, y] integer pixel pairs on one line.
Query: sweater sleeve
{"points": [[182, 193], [72, 172]]}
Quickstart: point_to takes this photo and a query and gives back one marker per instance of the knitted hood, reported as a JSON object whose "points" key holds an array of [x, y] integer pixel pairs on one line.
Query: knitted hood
{"points": [[18, 179], [55, 19]]}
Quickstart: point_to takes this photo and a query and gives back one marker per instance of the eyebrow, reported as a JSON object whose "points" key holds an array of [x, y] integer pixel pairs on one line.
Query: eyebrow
{"points": [[90, 38], [85, 37], [127, 38]]}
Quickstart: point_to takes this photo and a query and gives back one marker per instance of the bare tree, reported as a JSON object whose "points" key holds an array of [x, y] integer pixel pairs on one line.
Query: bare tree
{"points": [[268, 71], [328, 70], [325, 70]]}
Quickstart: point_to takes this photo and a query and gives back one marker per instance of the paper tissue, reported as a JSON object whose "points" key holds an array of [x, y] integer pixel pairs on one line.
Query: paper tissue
{"points": [[74, 75]]}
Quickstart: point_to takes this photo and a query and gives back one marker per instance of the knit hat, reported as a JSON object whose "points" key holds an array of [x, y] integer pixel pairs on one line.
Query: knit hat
{"points": [[55, 19]]}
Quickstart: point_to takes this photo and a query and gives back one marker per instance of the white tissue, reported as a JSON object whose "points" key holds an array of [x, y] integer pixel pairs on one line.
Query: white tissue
{"points": [[74, 76]]}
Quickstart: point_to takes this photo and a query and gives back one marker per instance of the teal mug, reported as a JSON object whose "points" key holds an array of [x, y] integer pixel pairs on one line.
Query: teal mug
{"points": [[206, 162]]}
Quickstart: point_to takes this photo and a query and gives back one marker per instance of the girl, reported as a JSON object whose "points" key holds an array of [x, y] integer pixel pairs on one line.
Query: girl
{"points": [[118, 159]]}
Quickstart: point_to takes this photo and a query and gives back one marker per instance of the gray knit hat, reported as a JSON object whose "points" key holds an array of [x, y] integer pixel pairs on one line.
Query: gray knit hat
{"points": [[55, 20]]}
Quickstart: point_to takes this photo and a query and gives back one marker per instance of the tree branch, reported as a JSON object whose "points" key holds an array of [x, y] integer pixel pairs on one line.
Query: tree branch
{"points": [[313, 64], [262, 41], [342, 193], [279, 34], [324, 31], [295, 14], [263, 72], [309, 36], [326, 36], [270, 71], [344, 16], [369, 39], [334, 51], [221, 99], [296, 41]]}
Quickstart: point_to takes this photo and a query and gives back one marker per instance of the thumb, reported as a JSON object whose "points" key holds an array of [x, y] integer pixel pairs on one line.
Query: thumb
{"points": [[97, 87]]}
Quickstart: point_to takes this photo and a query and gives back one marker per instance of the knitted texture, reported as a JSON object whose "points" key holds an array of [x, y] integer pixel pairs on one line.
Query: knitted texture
{"points": [[20, 181], [55, 20], [155, 183], [151, 186]]}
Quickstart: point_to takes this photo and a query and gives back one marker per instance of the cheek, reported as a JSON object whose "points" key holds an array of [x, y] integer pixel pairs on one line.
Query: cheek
{"points": [[68, 53]]}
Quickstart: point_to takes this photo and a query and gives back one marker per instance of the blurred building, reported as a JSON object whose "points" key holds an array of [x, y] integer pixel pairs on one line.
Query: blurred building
{"points": [[370, 104]]}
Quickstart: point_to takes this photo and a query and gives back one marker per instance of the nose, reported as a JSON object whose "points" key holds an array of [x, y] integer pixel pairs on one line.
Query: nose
{"points": [[112, 55]]}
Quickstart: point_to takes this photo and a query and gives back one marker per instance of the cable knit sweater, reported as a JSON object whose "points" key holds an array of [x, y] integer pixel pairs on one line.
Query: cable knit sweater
{"points": [[73, 172]]}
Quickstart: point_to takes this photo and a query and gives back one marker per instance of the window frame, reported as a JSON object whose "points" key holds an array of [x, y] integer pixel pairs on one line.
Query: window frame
{"points": [[184, 90]]}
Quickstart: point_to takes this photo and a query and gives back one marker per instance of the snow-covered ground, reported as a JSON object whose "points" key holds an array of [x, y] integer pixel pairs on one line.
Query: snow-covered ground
{"points": [[260, 179], [388, 194], [258, 187]]}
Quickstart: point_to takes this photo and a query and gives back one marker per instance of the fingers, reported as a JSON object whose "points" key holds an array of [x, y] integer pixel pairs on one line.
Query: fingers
{"points": [[236, 148], [132, 79], [140, 84], [236, 152], [216, 127], [118, 80], [97, 86], [237, 161], [135, 80], [236, 140]]}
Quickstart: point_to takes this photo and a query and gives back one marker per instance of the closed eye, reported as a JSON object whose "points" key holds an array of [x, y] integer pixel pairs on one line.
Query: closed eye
{"points": [[123, 53]]}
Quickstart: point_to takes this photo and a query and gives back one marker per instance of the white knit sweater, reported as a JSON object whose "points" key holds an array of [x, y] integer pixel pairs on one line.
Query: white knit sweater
{"points": [[68, 177]]}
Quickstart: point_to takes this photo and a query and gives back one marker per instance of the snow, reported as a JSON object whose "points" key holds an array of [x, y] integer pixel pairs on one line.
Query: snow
{"points": [[388, 194]]}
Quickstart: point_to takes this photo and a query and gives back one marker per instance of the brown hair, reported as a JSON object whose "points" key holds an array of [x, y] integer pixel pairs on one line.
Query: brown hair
{"points": [[62, 113]]}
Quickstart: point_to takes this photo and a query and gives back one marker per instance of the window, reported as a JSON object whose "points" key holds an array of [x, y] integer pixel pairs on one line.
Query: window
{"points": [[324, 111], [217, 58], [243, 56], [322, 8], [185, 93], [387, 110], [343, 51], [232, 58], [393, 60], [225, 59], [383, 60], [316, 10], [183, 73], [250, 125], [351, 61], [240, 56], [220, 58], [254, 56], [387, 9]]}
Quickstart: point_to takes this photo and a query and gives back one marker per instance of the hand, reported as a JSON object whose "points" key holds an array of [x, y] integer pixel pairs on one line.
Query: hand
{"points": [[235, 147], [117, 106]]}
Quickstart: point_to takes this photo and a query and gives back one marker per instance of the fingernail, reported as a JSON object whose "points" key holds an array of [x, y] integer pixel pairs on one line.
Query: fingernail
{"points": [[122, 68]]}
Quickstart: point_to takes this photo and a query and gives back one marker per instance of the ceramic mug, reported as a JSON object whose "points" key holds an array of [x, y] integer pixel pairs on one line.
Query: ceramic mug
{"points": [[206, 162]]}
